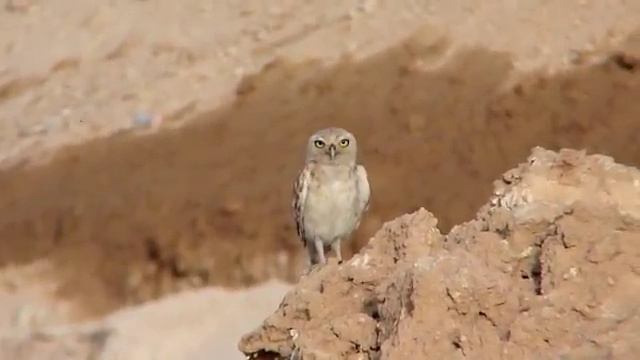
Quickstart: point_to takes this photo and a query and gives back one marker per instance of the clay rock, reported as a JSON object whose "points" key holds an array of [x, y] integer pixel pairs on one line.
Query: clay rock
{"points": [[548, 269]]}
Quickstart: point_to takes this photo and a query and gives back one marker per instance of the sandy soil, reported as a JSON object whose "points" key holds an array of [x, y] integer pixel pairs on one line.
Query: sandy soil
{"points": [[157, 97], [28, 301], [71, 71], [198, 324]]}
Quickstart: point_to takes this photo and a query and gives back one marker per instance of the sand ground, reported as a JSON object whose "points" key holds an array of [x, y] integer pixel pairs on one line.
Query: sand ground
{"points": [[187, 119], [195, 324]]}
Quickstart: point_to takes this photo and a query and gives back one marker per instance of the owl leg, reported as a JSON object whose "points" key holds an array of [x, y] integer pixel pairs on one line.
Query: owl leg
{"points": [[320, 251], [335, 246]]}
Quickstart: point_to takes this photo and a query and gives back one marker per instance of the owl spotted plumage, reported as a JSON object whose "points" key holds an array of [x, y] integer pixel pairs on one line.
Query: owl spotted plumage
{"points": [[330, 194]]}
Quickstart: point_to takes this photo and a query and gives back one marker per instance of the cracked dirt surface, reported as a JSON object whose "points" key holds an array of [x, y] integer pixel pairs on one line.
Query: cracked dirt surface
{"points": [[547, 270]]}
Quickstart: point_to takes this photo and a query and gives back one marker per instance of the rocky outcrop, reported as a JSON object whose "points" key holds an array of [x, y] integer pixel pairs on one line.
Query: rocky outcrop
{"points": [[550, 268]]}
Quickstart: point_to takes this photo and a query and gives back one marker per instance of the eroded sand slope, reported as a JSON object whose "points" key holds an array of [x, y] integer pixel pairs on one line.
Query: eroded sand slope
{"points": [[439, 115]]}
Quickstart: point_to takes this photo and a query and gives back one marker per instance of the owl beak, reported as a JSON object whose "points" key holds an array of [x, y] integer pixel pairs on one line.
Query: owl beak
{"points": [[332, 151]]}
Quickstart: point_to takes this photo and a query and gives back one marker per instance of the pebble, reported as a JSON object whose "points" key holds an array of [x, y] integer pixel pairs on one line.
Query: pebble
{"points": [[40, 129], [28, 317], [367, 6], [261, 35], [232, 207], [575, 57], [353, 13], [52, 124], [142, 120], [18, 5], [231, 51]]}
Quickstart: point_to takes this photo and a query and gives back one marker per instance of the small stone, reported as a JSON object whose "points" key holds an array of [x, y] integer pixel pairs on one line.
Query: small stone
{"points": [[22, 318], [16, 6], [232, 207], [246, 12], [142, 120], [575, 57], [134, 279], [39, 129], [368, 6], [261, 35]]}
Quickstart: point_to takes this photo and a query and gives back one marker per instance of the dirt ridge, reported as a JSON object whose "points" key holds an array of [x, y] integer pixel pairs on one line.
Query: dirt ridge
{"points": [[555, 250]]}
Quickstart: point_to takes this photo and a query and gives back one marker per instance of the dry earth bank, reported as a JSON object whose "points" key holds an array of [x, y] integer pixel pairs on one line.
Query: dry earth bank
{"points": [[549, 269]]}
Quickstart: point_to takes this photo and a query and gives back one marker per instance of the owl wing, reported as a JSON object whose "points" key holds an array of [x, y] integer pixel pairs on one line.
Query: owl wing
{"points": [[300, 191], [364, 191]]}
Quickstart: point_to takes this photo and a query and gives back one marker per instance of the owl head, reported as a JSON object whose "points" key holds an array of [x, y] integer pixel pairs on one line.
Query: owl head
{"points": [[332, 146]]}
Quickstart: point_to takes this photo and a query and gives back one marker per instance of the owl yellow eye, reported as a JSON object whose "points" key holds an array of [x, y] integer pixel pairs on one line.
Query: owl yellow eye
{"points": [[319, 144], [344, 142]]}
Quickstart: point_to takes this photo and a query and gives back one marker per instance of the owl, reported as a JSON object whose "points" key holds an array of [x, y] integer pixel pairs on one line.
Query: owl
{"points": [[330, 194]]}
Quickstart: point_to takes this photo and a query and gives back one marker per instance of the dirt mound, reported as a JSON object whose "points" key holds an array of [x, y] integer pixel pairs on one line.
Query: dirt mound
{"points": [[548, 269], [129, 218]]}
